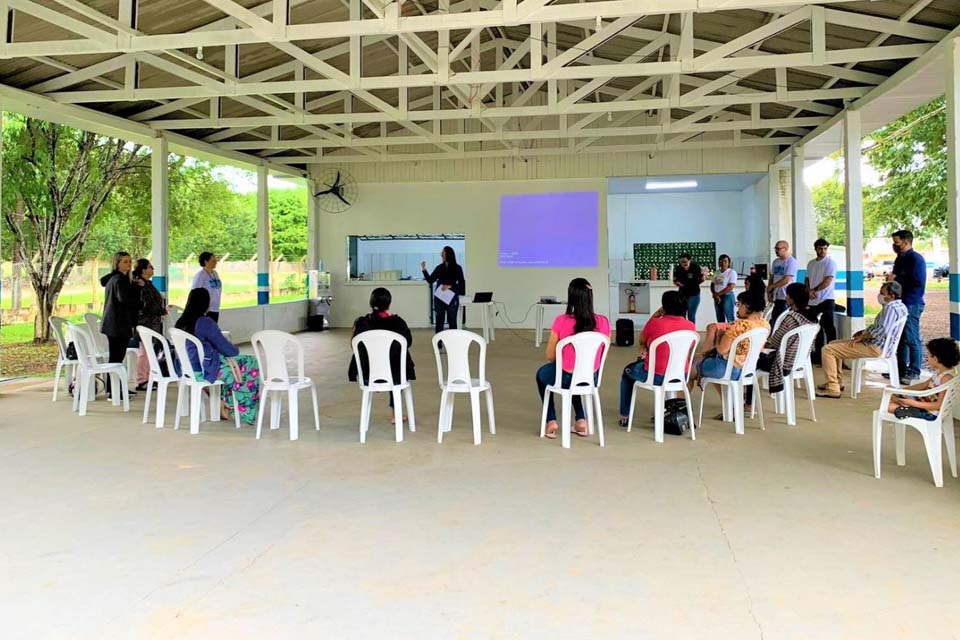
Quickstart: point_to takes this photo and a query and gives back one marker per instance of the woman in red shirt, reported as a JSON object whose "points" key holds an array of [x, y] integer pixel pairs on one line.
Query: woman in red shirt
{"points": [[578, 318]]}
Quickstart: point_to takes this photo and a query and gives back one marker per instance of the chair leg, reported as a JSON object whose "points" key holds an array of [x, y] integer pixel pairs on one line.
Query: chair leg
{"points": [[900, 434], [161, 403], [491, 423], [56, 379], [588, 411], [596, 400], [475, 412], [931, 441], [894, 368], [951, 444], [316, 406], [364, 416], [877, 437], [757, 405], [397, 415], [448, 412], [146, 400], [565, 420], [293, 401], [261, 409], [856, 377], [214, 395], [441, 422], [658, 410], [196, 403], [811, 394], [125, 390], [543, 413], [703, 396], [176, 421], [276, 410], [88, 379], [790, 400], [736, 391], [412, 418], [689, 403], [633, 404]]}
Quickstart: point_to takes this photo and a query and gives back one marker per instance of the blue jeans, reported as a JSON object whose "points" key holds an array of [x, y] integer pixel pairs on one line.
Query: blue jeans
{"points": [[724, 308], [547, 374], [693, 303], [910, 350], [632, 373], [716, 367]]}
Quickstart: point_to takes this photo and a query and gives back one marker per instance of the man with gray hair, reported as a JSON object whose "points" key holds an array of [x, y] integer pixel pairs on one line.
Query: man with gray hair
{"points": [[864, 344]]}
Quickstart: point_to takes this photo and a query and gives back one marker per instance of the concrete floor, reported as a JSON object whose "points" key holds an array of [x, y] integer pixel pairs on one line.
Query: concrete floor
{"points": [[112, 529]]}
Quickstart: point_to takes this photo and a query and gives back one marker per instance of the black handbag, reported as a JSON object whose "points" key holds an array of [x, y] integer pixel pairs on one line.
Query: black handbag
{"points": [[675, 419]]}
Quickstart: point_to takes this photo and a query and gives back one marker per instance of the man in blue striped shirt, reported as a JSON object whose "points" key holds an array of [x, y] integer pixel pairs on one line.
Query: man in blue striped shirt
{"points": [[868, 343]]}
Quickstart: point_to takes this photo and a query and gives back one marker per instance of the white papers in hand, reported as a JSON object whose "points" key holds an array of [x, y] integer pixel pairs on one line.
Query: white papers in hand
{"points": [[444, 295]]}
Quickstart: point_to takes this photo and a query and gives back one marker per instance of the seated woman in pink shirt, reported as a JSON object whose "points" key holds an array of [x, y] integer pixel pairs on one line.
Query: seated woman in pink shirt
{"points": [[578, 318]]}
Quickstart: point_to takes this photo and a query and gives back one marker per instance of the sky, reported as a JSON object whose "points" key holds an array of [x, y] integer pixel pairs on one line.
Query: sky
{"points": [[246, 181]]}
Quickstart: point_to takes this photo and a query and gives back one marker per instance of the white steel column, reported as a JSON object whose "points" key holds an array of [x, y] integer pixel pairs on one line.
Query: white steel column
{"points": [[313, 227], [801, 212], [773, 212], [264, 242], [159, 219], [853, 197], [953, 191]]}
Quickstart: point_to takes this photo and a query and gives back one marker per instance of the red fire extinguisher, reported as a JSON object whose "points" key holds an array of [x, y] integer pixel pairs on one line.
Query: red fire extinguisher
{"points": [[632, 302]]}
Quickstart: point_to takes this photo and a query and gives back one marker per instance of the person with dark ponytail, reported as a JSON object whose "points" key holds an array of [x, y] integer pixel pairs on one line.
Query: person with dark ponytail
{"points": [[579, 317], [380, 317], [152, 310], [447, 275]]}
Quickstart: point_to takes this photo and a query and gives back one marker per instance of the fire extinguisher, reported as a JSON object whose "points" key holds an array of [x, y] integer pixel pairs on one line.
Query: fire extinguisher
{"points": [[632, 302]]}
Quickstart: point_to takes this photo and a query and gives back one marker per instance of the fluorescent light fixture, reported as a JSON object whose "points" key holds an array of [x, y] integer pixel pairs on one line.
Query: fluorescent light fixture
{"points": [[671, 184]]}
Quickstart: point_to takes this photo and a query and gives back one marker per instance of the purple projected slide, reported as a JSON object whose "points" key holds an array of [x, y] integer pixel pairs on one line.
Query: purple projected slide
{"points": [[549, 229]]}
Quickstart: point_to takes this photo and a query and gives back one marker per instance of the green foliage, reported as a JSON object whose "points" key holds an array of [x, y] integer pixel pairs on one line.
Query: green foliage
{"points": [[288, 219], [829, 206], [911, 158]]}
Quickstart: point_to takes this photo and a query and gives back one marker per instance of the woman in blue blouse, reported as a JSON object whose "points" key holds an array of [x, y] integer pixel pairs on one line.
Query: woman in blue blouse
{"points": [[221, 359]]}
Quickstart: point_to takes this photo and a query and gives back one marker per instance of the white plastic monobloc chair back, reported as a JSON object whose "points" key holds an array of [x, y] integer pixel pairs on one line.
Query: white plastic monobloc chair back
{"points": [[805, 335], [952, 390], [377, 344], [94, 322], [681, 346], [84, 343], [892, 339], [148, 337], [780, 318], [180, 339], [457, 343], [57, 328], [586, 345], [270, 347], [173, 314], [757, 338]]}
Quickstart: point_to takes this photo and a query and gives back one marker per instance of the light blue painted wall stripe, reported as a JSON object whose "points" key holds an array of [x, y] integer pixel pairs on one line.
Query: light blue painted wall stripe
{"points": [[160, 282], [955, 287], [263, 279], [801, 275], [854, 279]]}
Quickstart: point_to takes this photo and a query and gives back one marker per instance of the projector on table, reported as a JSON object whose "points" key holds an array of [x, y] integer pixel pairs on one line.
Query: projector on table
{"points": [[548, 300]]}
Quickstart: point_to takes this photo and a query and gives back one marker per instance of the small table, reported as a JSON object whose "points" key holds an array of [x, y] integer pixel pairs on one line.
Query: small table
{"points": [[486, 317], [540, 308]]}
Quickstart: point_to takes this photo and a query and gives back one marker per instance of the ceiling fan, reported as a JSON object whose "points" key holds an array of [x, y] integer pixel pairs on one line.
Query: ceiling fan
{"points": [[339, 191]]}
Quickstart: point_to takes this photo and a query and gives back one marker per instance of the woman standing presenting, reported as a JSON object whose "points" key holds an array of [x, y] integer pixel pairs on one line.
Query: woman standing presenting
{"points": [[449, 276], [722, 289]]}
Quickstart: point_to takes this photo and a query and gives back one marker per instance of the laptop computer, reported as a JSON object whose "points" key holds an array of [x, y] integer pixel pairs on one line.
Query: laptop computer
{"points": [[483, 296]]}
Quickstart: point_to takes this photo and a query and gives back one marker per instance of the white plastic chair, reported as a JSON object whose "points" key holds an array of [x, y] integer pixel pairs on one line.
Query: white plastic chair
{"points": [[456, 344], [189, 383], [887, 360], [734, 389], [682, 346], [585, 345], [270, 348], [64, 364], [90, 367], [95, 322], [802, 372], [379, 378], [170, 320], [931, 430], [148, 337]]}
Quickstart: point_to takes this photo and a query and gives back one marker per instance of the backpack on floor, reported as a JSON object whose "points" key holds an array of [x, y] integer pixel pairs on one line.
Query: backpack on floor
{"points": [[675, 419]]}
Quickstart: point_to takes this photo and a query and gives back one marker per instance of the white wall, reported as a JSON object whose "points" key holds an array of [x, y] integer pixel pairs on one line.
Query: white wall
{"points": [[243, 322], [734, 220], [471, 208]]}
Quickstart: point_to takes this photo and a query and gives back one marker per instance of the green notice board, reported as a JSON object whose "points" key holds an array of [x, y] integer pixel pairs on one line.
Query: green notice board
{"points": [[667, 254]]}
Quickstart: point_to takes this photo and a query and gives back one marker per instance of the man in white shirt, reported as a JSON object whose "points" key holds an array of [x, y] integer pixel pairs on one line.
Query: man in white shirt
{"points": [[821, 273], [784, 272]]}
